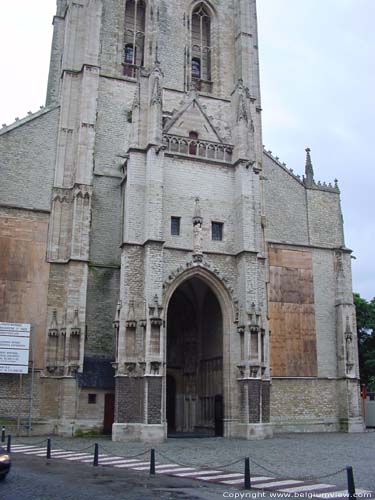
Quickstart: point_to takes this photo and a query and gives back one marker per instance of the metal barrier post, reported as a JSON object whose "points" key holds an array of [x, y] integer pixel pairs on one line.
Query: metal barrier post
{"points": [[3, 434], [9, 443], [351, 485], [152, 462], [247, 482], [48, 448], [96, 455]]}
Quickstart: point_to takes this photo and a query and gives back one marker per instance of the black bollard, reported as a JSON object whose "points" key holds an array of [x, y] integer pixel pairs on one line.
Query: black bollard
{"points": [[247, 482], [152, 462], [48, 448], [96, 455], [9, 443], [3, 434], [351, 485]]}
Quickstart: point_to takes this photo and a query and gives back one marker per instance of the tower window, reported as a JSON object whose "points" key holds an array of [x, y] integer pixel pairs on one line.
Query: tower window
{"points": [[135, 18], [201, 47], [217, 231], [175, 226]]}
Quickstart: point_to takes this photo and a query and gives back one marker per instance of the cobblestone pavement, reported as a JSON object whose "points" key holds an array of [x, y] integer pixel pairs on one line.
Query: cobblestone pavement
{"points": [[298, 456]]}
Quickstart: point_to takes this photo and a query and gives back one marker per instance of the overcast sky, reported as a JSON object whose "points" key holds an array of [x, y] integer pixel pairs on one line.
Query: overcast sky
{"points": [[318, 81]]}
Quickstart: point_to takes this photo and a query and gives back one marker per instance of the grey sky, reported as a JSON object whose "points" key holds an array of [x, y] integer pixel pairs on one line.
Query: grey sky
{"points": [[318, 79]]}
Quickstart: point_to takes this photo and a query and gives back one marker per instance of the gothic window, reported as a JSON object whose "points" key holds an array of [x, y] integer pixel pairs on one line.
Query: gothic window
{"points": [[196, 67], [193, 144], [201, 46], [217, 231], [135, 18], [130, 54]]}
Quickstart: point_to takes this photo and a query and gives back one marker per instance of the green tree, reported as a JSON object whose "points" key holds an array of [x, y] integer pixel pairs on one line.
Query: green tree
{"points": [[365, 312]]}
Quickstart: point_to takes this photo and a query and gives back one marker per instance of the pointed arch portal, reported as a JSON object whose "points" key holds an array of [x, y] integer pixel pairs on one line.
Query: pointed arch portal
{"points": [[194, 392]]}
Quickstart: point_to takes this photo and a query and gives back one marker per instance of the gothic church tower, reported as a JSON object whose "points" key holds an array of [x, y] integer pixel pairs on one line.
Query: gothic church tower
{"points": [[176, 243]]}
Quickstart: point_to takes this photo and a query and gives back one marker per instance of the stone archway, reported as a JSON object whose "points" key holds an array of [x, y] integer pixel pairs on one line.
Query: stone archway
{"points": [[195, 377]]}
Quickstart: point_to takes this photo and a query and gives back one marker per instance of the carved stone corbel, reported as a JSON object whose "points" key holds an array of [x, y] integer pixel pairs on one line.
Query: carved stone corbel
{"points": [[155, 312]]}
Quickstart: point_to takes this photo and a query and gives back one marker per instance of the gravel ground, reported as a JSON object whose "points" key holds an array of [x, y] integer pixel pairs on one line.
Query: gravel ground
{"points": [[287, 455]]}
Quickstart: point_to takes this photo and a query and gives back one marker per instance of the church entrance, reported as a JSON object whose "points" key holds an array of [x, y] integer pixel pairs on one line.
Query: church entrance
{"points": [[194, 395]]}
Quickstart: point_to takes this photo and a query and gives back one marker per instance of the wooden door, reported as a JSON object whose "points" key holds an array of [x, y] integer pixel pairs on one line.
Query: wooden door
{"points": [[109, 413]]}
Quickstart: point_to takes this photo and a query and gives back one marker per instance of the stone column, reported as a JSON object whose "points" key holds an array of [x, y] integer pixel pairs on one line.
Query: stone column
{"points": [[350, 406]]}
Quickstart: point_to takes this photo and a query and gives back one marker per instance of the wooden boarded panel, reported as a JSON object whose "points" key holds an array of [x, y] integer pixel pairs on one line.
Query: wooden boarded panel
{"points": [[292, 313], [24, 276]]}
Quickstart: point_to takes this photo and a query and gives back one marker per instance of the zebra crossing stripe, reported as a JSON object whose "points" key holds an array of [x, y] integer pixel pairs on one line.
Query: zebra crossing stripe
{"points": [[307, 487], [130, 466], [79, 456], [88, 460], [198, 473], [220, 476], [131, 462], [109, 459], [172, 471], [113, 462], [166, 466], [20, 448], [145, 466], [234, 481], [62, 454], [35, 451], [274, 484]]}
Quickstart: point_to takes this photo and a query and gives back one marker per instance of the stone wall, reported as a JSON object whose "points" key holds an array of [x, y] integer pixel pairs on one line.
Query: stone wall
{"points": [[27, 151], [304, 405]]}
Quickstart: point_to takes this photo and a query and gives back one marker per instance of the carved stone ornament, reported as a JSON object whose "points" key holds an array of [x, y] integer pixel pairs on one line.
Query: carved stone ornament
{"points": [[155, 367], [76, 330], [130, 368], [254, 319], [349, 346], [197, 233], [53, 330], [131, 322], [155, 312]]}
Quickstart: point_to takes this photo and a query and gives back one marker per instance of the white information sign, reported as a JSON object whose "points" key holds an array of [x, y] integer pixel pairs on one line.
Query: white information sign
{"points": [[14, 347]]}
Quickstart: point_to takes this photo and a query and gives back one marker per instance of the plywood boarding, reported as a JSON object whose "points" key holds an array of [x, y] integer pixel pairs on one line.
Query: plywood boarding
{"points": [[24, 276], [292, 313]]}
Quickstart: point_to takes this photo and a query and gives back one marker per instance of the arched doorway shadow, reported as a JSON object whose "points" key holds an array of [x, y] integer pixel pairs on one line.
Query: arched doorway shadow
{"points": [[195, 346]]}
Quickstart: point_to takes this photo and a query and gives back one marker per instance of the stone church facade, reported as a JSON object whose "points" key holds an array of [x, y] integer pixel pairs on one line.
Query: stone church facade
{"points": [[177, 276]]}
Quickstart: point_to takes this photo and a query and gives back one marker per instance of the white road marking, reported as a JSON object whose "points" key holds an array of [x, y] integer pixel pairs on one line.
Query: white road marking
{"points": [[166, 466], [130, 466], [220, 476], [62, 454], [79, 456], [234, 481], [35, 451], [278, 483], [18, 447], [131, 462], [108, 459], [87, 460], [199, 473], [180, 469]]}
